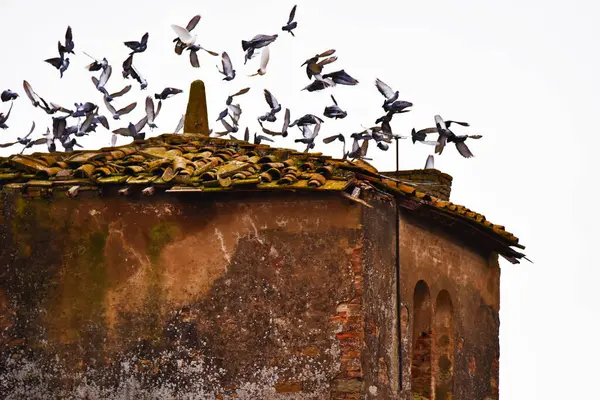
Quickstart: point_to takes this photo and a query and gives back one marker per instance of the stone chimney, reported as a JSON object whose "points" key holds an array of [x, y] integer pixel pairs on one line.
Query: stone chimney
{"points": [[430, 181], [196, 115]]}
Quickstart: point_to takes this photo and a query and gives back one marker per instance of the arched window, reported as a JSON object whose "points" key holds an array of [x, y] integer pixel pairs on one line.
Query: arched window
{"points": [[444, 347], [422, 336]]}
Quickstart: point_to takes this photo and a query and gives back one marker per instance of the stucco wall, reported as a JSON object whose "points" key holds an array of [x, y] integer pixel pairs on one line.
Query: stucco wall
{"points": [[467, 359], [252, 295]]}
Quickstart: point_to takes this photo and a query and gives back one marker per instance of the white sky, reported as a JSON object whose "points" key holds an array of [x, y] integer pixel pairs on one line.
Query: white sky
{"points": [[523, 73]]}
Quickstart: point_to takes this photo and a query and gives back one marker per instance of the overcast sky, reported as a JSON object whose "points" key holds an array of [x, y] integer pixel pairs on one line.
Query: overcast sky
{"points": [[524, 74]]}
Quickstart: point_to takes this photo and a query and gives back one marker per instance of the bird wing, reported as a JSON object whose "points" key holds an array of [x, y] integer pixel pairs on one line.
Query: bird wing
{"points": [[180, 124], [463, 150], [242, 91], [127, 109], [144, 39], [86, 123], [103, 121], [30, 93], [30, 131], [69, 34], [158, 107], [429, 162], [334, 102], [132, 44], [326, 61], [109, 107], [292, 15], [475, 136], [448, 123], [441, 142], [55, 62], [105, 76], [183, 34], [330, 139], [271, 100], [150, 109], [121, 92], [286, 122], [140, 124], [113, 139], [384, 89], [120, 131], [95, 81], [228, 127], [247, 135], [264, 59], [227, 66], [193, 22], [58, 127], [326, 53], [427, 131], [194, 59]]}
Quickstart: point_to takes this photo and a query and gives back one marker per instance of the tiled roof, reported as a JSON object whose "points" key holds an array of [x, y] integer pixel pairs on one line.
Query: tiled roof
{"points": [[191, 162]]}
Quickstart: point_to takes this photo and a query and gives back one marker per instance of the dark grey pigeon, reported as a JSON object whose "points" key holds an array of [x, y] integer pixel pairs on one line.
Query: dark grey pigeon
{"points": [[69, 44], [129, 70], [166, 93], [273, 104], [341, 78], [8, 95], [291, 24], [61, 63], [308, 119], [334, 111], [258, 41], [138, 47]]}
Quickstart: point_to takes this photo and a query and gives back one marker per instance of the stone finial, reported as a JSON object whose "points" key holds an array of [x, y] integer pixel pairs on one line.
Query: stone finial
{"points": [[196, 115]]}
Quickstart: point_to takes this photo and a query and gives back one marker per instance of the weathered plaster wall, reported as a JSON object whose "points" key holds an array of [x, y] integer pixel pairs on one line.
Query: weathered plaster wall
{"points": [[466, 361], [253, 296], [381, 375]]}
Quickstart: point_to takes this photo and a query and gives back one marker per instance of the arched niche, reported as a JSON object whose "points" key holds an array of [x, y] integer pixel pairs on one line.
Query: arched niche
{"points": [[422, 342], [444, 347]]}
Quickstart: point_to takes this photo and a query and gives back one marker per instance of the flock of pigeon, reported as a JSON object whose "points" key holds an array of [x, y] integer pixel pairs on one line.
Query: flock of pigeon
{"points": [[83, 118]]}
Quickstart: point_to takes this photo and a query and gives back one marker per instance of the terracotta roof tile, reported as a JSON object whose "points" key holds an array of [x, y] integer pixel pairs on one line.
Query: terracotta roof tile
{"points": [[191, 162]]}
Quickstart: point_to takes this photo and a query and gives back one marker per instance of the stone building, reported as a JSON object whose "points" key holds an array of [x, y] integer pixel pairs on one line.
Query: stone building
{"points": [[189, 267]]}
